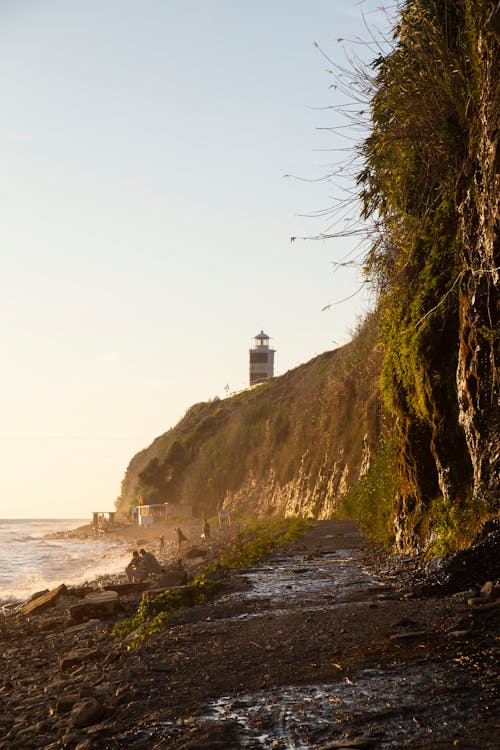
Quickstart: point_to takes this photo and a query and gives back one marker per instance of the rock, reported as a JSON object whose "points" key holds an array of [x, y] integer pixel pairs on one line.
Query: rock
{"points": [[488, 590], [85, 744], [80, 591], [86, 713], [65, 601], [78, 656], [475, 600], [70, 739], [188, 594], [485, 607], [50, 623], [102, 730], [127, 588], [44, 601], [96, 605], [173, 577], [463, 596], [35, 596], [26, 733], [89, 626], [66, 702]]}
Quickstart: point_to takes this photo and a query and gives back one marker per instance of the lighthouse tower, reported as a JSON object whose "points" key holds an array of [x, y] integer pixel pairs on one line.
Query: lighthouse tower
{"points": [[261, 359]]}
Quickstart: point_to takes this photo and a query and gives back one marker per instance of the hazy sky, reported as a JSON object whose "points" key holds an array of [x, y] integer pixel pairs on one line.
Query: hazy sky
{"points": [[146, 222]]}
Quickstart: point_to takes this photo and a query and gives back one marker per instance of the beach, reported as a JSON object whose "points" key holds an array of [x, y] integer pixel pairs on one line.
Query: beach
{"points": [[326, 644], [38, 554]]}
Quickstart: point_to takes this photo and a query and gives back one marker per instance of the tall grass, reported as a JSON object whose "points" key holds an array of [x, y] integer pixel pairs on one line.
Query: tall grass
{"points": [[371, 500]]}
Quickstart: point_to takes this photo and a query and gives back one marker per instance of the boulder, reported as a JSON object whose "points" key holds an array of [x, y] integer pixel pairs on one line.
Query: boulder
{"points": [[171, 577], [78, 656], [127, 588], [99, 604], [43, 601], [86, 713], [188, 593]]}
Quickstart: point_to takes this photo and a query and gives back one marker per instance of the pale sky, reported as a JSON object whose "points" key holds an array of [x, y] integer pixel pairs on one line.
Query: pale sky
{"points": [[146, 222]]}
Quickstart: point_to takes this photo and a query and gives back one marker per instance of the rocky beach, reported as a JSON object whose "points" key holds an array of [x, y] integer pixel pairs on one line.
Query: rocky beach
{"points": [[328, 644]]}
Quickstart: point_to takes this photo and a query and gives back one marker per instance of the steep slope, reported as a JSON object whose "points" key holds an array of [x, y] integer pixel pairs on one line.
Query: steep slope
{"points": [[292, 445]]}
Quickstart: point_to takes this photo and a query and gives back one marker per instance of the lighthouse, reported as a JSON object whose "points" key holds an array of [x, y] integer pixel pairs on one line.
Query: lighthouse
{"points": [[261, 359]]}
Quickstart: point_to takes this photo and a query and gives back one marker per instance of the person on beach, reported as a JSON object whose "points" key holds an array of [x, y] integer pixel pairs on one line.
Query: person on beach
{"points": [[205, 533], [162, 543], [149, 563], [180, 538], [134, 569]]}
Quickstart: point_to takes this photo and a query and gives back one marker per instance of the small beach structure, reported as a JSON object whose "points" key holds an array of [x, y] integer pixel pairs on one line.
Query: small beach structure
{"points": [[102, 520], [147, 515]]}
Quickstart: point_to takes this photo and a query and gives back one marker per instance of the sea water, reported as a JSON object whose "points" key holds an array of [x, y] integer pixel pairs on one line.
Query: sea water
{"points": [[31, 559]]}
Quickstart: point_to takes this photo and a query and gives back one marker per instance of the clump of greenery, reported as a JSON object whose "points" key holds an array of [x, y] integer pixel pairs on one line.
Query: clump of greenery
{"points": [[255, 542], [455, 524], [371, 500]]}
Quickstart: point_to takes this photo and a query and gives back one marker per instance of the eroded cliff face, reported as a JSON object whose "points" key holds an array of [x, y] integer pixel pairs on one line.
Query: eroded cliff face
{"points": [[433, 175], [315, 495], [479, 352]]}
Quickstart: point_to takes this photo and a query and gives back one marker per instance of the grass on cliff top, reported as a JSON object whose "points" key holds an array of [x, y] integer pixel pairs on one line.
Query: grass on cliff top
{"points": [[255, 542]]}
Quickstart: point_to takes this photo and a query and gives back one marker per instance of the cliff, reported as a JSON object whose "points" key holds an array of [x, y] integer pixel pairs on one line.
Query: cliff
{"points": [[431, 180], [401, 426], [292, 445]]}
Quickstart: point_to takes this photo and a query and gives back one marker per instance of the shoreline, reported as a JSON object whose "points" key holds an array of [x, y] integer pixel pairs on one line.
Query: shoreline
{"points": [[132, 537]]}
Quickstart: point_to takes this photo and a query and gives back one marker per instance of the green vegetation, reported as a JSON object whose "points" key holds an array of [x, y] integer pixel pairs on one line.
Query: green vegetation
{"points": [[455, 524], [371, 500], [255, 542]]}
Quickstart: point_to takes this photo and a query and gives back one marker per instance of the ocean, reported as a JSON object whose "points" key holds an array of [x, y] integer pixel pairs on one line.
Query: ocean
{"points": [[32, 561]]}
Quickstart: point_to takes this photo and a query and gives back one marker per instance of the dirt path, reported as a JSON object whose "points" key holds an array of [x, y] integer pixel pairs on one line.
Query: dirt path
{"points": [[316, 653], [309, 650]]}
